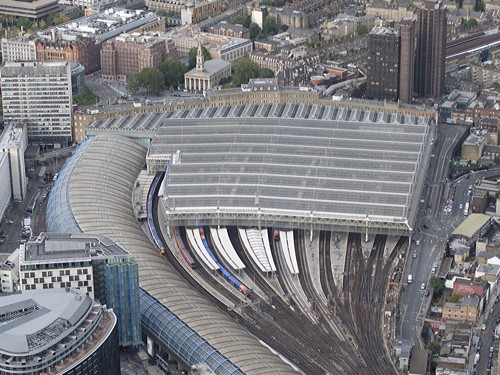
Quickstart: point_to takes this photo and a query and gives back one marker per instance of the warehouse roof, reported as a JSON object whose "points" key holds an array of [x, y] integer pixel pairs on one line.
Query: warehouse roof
{"points": [[470, 226]]}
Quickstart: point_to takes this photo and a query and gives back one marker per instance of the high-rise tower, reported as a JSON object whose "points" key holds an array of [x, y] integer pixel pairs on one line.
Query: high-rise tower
{"points": [[431, 49]]}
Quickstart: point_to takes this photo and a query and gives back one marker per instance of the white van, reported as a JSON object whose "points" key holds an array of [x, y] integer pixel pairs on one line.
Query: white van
{"points": [[410, 279]]}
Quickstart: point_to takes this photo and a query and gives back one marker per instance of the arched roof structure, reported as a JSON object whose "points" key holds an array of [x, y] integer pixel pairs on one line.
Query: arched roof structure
{"points": [[93, 195]]}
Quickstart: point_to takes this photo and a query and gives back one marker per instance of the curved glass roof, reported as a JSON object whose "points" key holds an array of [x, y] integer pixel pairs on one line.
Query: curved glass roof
{"points": [[95, 194]]}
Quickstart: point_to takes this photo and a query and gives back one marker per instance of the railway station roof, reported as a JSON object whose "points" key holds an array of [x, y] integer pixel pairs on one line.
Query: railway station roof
{"points": [[93, 195], [337, 167]]}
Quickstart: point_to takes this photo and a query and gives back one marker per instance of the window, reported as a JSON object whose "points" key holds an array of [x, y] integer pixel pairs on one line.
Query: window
{"points": [[89, 289], [61, 273], [67, 272], [62, 285], [44, 273], [78, 272], [89, 277]]}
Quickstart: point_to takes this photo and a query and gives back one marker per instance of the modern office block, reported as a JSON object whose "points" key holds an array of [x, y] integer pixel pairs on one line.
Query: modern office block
{"points": [[39, 93]]}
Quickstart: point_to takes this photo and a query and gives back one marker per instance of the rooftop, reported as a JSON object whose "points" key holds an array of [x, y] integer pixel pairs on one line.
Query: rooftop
{"points": [[100, 26], [58, 247], [302, 160], [470, 226], [210, 68], [33, 320]]}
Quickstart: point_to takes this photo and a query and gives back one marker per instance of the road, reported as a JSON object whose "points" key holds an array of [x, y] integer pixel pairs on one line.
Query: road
{"points": [[438, 227], [413, 300]]}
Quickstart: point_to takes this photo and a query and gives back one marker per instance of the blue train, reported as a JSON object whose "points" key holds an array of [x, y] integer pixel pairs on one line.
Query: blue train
{"points": [[152, 229], [222, 271]]}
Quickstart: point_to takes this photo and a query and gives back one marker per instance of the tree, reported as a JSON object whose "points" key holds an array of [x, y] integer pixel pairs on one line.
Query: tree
{"points": [[437, 285], [270, 25], [152, 80], [496, 85], [362, 29], [24, 22], [435, 348], [245, 69], [266, 73], [173, 71], [479, 6], [192, 56], [242, 20], [133, 83], [254, 30], [454, 298]]}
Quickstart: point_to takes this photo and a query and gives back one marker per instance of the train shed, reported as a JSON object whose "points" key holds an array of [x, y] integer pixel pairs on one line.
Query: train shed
{"points": [[292, 166]]}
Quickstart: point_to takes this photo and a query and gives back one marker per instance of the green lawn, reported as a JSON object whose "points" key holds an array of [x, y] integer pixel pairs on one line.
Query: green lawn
{"points": [[87, 98]]}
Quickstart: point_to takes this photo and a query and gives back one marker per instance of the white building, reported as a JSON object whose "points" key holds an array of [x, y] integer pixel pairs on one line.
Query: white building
{"points": [[13, 143], [207, 74], [39, 92], [86, 3], [20, 47], [9, 273]]}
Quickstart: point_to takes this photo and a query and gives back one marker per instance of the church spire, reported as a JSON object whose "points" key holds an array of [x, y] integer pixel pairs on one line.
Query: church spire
{"points": [[200, 61]]}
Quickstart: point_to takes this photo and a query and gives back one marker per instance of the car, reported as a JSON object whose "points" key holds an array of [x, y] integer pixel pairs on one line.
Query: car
{"points": [[498, 320], [461, 206], [422, 286], [3, 235], [490, 355], [426, 226], [497, 299], [414, 255], [483, 327], [492, 310], [10, 222], [490, 362], [2, 242], [427, 292]]}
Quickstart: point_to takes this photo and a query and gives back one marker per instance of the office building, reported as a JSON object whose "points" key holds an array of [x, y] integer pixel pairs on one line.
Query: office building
{"points": [[430, 50], [39, 92], [13, 182], [383, 63], [391, 62], [34, 9], [93, 264], [57, 332]]}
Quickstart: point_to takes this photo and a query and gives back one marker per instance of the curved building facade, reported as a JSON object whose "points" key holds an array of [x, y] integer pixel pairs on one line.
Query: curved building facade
{"points": [[93, 195], [57, 331]]}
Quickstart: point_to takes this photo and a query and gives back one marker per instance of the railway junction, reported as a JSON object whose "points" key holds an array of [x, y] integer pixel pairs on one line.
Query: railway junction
{"points": [[268, 236]]}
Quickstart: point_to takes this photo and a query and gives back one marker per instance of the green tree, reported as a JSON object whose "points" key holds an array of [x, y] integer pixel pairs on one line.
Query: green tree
{"points": [[266, 73], [362, 29], [152, 80], [437, 285], [454, 298], [192, 56], [245, 69], [435, 348], [496, 85], [173, 71], [254, 30], [24, 22], [480, 7], [270, 25], [133, 83], [242, 20]]}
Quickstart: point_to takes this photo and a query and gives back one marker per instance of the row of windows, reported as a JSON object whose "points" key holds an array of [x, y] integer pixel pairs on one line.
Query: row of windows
{"points": [[61, 285]]}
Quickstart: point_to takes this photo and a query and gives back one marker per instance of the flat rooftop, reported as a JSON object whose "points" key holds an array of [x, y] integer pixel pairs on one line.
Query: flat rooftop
{"points": [[266, 160], [25, 316], [59, 247], [471, 225]]}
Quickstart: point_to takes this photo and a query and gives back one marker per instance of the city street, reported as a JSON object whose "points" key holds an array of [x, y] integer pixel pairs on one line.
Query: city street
{"points": [[435, 233]]}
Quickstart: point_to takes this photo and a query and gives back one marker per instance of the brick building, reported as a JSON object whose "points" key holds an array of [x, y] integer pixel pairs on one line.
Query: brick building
{"points": [[228, 29], [130, 53]]}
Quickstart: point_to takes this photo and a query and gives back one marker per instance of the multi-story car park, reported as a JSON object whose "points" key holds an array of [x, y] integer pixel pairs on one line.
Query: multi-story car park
{"points": [[204, 184]]}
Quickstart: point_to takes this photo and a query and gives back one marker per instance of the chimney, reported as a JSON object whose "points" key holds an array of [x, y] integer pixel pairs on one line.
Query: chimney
{"points": [[53, 34]]}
